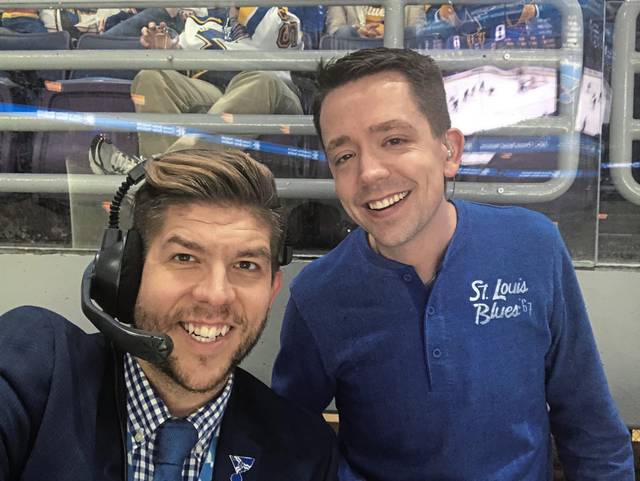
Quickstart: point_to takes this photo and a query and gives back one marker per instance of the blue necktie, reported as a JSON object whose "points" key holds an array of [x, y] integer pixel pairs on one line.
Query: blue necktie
{"points": [[174, 441]]}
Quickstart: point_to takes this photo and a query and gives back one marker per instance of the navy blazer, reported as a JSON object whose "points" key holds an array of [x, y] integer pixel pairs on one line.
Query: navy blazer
{"points": [[63, 412]]}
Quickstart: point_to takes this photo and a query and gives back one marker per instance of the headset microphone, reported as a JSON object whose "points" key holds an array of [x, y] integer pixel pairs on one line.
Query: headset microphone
{"points": [[149, 346], [112, 282]]}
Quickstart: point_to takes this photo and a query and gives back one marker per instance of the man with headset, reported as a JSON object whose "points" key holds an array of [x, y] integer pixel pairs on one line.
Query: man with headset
{"points": [[163, 400], [452, 334]]}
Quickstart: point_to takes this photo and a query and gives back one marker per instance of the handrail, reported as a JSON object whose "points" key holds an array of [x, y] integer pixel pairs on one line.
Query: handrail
{"points": [[241, 124], [568, 60], [306, 60], [624, 129], [196, 3], [108, 184]]}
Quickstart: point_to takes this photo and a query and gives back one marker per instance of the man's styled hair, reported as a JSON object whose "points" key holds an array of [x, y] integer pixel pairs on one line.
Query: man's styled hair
{"points": [[226, 177], [421, 72]]}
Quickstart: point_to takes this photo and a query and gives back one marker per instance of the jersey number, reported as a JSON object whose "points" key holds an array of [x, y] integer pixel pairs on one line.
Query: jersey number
{"points": [[288, 31], [288, 35]]}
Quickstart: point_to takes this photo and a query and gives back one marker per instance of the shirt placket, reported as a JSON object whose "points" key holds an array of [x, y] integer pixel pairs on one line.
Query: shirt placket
{"points": [[437, 348]]}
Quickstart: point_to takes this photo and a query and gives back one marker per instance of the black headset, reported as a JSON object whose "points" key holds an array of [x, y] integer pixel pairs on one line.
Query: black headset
{"points": [[111, 282]]}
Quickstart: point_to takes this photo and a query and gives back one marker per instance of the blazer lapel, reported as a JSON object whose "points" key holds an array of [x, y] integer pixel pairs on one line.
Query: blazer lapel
{"points": [[110, 462]]}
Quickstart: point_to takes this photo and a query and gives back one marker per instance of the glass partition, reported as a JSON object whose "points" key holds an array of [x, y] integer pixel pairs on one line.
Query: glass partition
{"points": [[533, 120]]}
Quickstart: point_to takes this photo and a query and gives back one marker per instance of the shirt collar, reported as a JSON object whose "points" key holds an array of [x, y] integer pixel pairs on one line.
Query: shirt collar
{"points": [[146, 411], [370, 255]]}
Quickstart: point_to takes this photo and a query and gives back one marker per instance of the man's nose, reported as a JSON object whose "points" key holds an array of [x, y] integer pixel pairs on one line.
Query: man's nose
{"points": [[214, 287], [372, 168]]}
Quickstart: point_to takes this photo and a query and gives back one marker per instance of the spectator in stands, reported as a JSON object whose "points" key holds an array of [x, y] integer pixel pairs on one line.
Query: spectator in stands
{"points": [[114, 17], [174, 18], [368, 21], [312, 22], [77, 407], [167, 91], [76, 21], [22, 20], [453, 335]]}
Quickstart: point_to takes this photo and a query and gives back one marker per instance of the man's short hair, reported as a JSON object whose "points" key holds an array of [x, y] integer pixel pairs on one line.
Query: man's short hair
{"points": [[226, 177], [421, 72]]}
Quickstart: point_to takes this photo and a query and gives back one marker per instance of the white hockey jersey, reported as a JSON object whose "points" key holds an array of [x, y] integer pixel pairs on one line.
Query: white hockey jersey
{"points": [[253, 28]]}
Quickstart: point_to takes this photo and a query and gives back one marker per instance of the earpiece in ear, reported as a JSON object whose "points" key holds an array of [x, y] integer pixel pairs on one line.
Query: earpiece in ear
{"points": [[449, 149]]}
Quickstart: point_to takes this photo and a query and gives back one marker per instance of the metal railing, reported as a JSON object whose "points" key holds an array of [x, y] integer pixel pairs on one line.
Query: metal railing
{"points": [[567, 59], [624, 129]]}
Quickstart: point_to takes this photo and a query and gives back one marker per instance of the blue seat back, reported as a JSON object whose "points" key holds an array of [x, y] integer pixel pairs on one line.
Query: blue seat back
{"points": [[38, 41], [92, 41], [52, 149]]}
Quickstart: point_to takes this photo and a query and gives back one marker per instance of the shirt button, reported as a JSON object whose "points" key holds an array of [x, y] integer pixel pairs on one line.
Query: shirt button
{"points": [[139, 436], [407, 277], [431, 310], [437, 353], [198, 449]]}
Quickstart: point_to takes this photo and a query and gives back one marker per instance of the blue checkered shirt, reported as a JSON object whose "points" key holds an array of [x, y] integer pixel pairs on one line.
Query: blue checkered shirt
{"points": [[146, 411]]}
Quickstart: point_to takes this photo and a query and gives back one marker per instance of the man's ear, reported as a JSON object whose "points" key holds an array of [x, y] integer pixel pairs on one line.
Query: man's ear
{"points": [[454, 144], [276, 285]]}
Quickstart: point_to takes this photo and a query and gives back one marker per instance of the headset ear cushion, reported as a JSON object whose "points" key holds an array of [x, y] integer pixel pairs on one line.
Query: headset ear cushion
{"points": [[130, 276]]}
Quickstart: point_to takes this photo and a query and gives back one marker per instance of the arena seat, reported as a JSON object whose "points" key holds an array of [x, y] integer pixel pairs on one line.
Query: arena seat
{"points": [[38, 41], [51, 149], [92, 41], [23, 88]]}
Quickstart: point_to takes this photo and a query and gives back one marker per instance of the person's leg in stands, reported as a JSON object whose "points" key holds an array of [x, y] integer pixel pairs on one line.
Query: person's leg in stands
{"points": [[346, 31], [257, 93], [132, 26], [24, 25], [169, 92]]}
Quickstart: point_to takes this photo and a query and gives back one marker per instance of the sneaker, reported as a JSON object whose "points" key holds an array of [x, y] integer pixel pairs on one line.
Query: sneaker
{"points": [[105, 158]]}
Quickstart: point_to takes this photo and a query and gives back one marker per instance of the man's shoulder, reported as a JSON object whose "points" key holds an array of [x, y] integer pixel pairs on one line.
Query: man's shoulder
{"points": [[36, 331], [32, 319], [331, 266], [509, 217], [277, 418]]}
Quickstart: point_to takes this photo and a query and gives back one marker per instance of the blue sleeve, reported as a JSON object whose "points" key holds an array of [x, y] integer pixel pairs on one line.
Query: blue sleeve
{"points": [[593, 442], [299, 373], [25, 380]]}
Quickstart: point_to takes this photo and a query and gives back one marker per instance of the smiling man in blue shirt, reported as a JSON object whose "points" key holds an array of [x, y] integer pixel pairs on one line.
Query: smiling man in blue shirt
{"points": [[452, 335]]}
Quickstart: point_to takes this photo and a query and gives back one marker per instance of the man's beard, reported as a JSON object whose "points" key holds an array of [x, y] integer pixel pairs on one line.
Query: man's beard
{"points": [[170, 368]]}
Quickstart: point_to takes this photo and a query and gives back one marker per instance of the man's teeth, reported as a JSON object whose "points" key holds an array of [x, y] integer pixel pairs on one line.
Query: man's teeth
{"points": [[205, 333], [387, 201]]}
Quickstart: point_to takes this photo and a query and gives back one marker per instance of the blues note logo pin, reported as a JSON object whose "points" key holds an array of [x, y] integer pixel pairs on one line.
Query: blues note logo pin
{"points": [[241, 464]]}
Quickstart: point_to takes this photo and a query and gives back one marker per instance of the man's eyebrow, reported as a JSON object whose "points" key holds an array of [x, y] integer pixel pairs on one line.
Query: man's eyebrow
{"points": [[335, 143], [187, 244], [389, 125], [259, 252]]}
